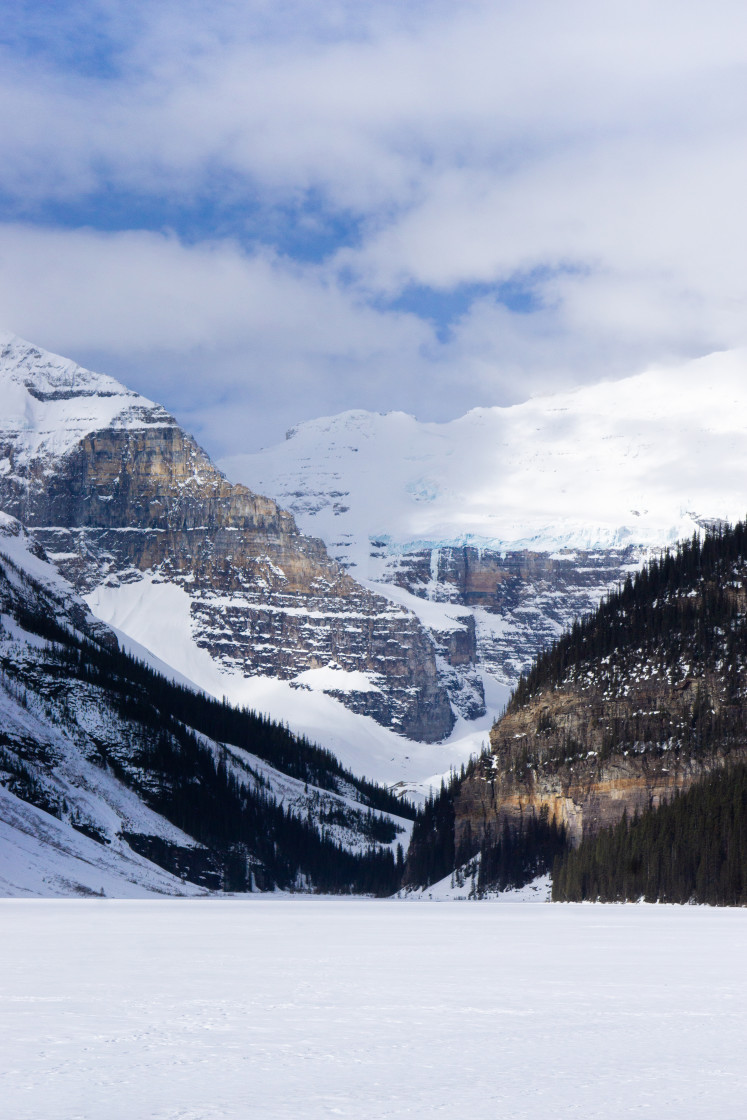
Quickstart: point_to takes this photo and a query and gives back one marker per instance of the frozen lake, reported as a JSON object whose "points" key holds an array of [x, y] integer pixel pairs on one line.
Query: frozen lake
{"points": [[207, 1009]]}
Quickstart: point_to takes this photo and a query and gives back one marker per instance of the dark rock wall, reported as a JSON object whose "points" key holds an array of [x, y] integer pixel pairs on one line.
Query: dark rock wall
{"points": [[588, 757]]}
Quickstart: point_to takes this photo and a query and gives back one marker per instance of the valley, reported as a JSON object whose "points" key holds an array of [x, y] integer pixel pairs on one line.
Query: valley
{"points": [[392, 637]]}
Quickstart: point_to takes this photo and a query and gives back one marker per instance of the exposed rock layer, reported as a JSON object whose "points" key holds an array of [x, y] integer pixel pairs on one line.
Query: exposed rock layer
{"points": [[556, 754], [640, 700], [140, 496], [523, 599]]}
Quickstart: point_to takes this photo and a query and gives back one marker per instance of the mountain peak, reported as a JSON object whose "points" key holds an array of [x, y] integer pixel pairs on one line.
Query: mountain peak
{"points": [[50, 403], [600, 466], [44, 372]]}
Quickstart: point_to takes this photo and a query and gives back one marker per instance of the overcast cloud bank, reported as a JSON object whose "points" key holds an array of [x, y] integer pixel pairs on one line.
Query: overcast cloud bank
{"points": [[260, 212]]}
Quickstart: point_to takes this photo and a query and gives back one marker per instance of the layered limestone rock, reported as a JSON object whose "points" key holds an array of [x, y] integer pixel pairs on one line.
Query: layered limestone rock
{"points": [[522, 601], [113, 489], [585, 756]]}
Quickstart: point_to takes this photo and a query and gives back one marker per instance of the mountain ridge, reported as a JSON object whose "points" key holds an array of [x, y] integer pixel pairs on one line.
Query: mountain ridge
{"points": [[115, 779], [501, 527], [118, 495], [644, 698]]}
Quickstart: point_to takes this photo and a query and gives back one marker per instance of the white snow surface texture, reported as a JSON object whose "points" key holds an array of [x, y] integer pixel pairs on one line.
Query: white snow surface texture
{"points": [[635, 461], [226, 1010]]}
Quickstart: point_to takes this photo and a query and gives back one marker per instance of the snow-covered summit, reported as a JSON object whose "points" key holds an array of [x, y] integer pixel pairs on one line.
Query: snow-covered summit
{"points": [[50, 403], [638, 461]]}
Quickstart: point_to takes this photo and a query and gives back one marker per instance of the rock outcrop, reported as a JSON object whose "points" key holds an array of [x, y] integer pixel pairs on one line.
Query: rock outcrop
{"points": [[521, 600], [112, 489], [566, 753], [640, 700]]}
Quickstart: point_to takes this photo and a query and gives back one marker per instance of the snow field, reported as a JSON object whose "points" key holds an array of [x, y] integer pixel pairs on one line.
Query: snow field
{"points": [[50, 403], [632, 461], [211, 1009], [152, 621]]}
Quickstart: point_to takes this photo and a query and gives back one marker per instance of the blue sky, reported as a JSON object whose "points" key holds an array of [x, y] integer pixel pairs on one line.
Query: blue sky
{"points": [[263, 212]]}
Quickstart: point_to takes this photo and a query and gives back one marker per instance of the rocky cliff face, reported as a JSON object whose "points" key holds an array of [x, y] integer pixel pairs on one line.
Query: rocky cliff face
{"points": [[522, 517], [567, 752], [113, 490], [519, 601], [640, 700]]}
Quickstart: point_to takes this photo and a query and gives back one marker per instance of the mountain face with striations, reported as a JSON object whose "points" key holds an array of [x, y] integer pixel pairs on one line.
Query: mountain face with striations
{"points": [[116, 780], [621, 761], [502, 527], [215, 580], [644, 698]]}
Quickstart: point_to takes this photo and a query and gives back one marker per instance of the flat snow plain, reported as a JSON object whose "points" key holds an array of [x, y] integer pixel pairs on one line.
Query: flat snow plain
{"points": [[209, 1009]]}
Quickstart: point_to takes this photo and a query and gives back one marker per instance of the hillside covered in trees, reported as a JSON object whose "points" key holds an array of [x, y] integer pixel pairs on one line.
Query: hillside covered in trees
{"points": [[220, 797], [691, 849], [615, 734]]}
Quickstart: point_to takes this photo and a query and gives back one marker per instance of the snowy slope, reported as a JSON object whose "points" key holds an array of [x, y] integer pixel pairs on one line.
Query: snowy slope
{"points": [[517, 520], [43, 857], [636, 461], [74, 817], [461, 886], [53, 403], [153, 621], [41, 853]]}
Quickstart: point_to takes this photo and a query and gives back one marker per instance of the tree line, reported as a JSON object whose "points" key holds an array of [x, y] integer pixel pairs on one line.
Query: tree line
{"points": [[250, 840], [691, 849]]}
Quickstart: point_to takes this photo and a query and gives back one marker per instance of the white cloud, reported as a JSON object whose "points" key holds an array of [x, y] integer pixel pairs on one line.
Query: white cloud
{"points": [[596, 150], [140, 291], [207, 329]]}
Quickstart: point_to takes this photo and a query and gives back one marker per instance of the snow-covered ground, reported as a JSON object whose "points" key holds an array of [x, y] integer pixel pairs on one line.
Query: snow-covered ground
{"points": [[462, 884], [226, 1010], [42, 857]]}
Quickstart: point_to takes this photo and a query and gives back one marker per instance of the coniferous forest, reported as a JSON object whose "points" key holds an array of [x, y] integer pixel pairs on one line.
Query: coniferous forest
{"points": [[518, 855], [173, 733], [692, 849], [509, 859], [686, 610], [678, 631]]}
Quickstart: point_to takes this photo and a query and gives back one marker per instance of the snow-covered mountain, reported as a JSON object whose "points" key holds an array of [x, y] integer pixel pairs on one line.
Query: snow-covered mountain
{"points": [[495, 530], [516, 520], [212, 578], [108, 779], [635, 461]]}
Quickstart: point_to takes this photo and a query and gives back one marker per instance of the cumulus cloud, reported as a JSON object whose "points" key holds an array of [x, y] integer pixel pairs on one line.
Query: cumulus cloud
{"points": [[590, 155], [208, 329]]}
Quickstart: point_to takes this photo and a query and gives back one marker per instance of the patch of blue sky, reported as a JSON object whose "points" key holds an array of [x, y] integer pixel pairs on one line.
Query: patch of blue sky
{"points": [[92, 38], [305, 230], [311, 231], [445, 307], [83, 37]]}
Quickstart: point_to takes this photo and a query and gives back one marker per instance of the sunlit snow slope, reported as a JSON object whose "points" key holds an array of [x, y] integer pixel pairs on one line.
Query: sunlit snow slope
{"points": [[517, 520], [637, 461]]}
